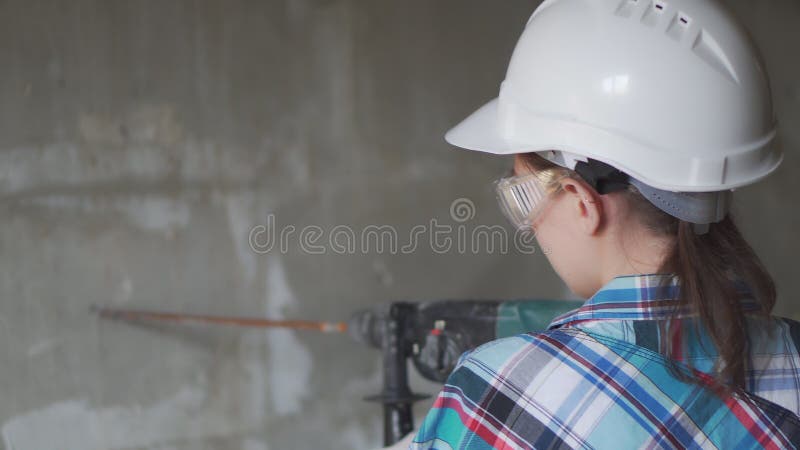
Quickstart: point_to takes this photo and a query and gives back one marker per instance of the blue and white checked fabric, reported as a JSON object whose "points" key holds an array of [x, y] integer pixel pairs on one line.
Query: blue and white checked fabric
{"points": [[597, 378]]}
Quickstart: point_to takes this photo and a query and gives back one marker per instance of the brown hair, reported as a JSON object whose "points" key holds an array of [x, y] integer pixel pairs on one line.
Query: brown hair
{"points": [[707, 268]]}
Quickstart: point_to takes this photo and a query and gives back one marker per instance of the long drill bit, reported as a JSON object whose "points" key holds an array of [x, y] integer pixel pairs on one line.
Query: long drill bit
{"points": [[138, 315]]}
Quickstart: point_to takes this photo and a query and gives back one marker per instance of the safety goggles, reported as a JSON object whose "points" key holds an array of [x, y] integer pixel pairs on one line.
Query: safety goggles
{"points": [[523, 197]]}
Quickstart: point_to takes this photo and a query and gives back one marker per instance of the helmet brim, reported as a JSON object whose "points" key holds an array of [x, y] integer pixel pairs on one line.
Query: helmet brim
{"points": [[668, 170], [479, 132]]}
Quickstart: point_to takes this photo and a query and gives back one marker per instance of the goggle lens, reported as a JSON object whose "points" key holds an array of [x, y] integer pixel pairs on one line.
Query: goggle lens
{"points": [[520, 199]]}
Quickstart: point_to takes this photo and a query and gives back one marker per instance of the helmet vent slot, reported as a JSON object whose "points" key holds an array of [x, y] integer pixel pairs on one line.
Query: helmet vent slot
{"points": [[651, 15], [678, 26]]}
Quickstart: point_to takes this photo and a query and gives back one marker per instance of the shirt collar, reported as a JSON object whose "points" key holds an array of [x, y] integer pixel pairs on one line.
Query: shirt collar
{"points": [[635, 297]]}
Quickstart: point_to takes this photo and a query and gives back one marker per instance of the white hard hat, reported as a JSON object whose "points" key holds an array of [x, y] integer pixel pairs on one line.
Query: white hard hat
{"points": [[673, 93]]}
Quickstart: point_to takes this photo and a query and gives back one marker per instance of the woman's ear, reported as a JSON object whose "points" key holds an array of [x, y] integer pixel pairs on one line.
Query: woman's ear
{"points": [[584, 205]]}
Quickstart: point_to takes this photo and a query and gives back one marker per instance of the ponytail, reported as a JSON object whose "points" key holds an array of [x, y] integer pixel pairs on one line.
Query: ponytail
{"points": [[708, 268], [715, 272]]}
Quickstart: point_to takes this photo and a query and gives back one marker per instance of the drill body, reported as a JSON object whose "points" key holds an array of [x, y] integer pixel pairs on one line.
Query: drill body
{"points": [[434, 335]]}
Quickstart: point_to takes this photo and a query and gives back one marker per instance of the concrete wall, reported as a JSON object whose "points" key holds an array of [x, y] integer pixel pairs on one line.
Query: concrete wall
{"points": [[141, 142]]}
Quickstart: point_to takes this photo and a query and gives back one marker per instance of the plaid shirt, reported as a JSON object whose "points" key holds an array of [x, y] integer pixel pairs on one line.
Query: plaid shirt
{"points": [[597, 378]]}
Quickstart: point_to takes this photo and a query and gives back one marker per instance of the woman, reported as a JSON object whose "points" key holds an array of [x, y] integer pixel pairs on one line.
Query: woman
{"points": [[631, 122]]}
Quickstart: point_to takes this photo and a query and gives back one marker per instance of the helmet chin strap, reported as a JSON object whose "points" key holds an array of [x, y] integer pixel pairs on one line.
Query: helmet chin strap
{"points": [[603, 178], [698, 208]]}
